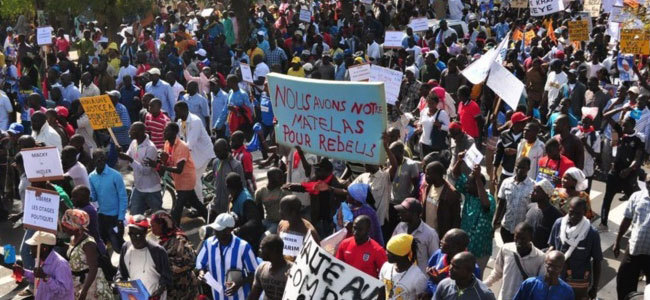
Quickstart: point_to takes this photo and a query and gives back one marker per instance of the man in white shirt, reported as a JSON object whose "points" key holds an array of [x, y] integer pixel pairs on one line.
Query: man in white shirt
{"points": [[5, 109], [177, 88], [554, 82], [88, 88], [259, 75], [43, 133], [456, 9], [73, 168], [373, 51], [125, 69]]}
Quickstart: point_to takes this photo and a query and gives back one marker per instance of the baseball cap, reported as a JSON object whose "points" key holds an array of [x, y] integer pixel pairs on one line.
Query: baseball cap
{"points": [[410, 204], [295, 59], [518, 117], [223, 221], [634, 89], [61, 111], [41, 238], [16, 128], [114, 93], [138, 221], [154, 71], [201, 52], [308, 67]]}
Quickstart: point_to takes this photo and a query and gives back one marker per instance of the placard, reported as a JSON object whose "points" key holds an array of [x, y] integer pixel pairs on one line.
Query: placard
{"points": [[478, 70], [505, 85], [635, 41], [246, 73], [100, 112], [41, 210], [305, 15], [337, 119], [625, 64], [207, 12], [331, 243], [359, 72], [592, 7], [44, 35], [317, 274], [473, 156], [578, 30], [540, 8], [590, 111], [393, 39], [392, 80], [42, 164], [132, 290], [519, 4], [419, 24], [618, 14], [292, 243]]}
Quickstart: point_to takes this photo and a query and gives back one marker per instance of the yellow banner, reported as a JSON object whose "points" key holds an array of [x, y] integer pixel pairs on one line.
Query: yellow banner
{"points": [[635, 41], [578, 30], [100, 112]]}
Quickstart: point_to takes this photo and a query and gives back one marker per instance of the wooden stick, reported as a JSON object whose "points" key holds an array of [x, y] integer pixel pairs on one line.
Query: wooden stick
{"points": [[38, 265], [110, 131]]}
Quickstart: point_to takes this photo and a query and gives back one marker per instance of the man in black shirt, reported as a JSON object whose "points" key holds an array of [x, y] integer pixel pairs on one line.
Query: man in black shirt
{"points": [[506, 152], [541, 213]]}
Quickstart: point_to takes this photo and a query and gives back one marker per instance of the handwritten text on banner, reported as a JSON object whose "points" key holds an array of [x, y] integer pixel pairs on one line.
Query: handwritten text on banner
{"points": [[100, 112]]}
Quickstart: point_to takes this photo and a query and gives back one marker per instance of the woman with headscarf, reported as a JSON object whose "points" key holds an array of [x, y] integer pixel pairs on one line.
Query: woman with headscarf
{"points": [[574, 184], [401, 276], [83, 255], [181, 256], [357, 204]]}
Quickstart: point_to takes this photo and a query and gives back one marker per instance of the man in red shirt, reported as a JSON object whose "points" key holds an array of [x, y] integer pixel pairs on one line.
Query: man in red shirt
{"points": [[240, 153], [469, 112], [360, 251], [155, 121], [553, 165]]}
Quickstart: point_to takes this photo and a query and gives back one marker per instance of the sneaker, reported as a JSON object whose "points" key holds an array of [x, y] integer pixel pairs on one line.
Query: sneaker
{"points": [[25, 293], [602, 228]]}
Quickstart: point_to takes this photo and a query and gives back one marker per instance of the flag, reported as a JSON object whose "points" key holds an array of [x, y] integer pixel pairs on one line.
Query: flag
{"points": [[550, 32]]}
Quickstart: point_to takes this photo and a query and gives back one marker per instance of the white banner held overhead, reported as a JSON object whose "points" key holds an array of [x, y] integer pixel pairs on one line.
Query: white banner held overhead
{"points": [[505, 85], [44, 35], [317, 274], [478, 70], [393, 39], [305, 15], [392, 80], [419, 24], [540, 8]]}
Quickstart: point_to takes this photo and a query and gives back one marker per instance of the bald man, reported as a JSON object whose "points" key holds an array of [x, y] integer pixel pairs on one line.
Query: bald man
{"points": [[549, 286], [462, 281]]}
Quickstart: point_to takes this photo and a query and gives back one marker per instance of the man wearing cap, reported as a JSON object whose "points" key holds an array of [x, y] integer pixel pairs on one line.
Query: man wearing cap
{"points": [[143, 260], [161, 90], [296, 68], [427, 239], [228, 259], [54, 274], [506, 153]]}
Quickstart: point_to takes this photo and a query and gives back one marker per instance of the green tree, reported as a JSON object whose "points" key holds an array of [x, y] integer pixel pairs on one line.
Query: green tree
{"points": [[11, 9]]}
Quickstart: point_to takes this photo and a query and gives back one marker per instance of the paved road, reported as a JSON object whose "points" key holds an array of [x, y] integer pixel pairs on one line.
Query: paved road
{"points": [[8, 235]]}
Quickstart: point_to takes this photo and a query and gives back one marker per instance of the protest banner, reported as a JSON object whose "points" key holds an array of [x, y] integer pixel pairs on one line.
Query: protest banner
{"points": [[625, 71], [540, 8], [340, 120], [592, 7], [207, 12], [618, 14], [478, 70], [392, 80], [246, 73], [132, 290], [505, 85], [331, 243], [305, 15], [41, 210], [393, 39], [44, 35], [317, 274], [635, 41], [578, 30], [419, 24], [359, 72], [42, 164], [519, 4], [100, 112]]}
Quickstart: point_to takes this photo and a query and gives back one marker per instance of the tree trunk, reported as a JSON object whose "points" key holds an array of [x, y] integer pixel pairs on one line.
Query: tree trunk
{"points": [[241, 8]]}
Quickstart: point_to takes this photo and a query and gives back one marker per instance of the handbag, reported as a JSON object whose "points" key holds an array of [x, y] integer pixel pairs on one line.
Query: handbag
{"points": [[438, 136]]}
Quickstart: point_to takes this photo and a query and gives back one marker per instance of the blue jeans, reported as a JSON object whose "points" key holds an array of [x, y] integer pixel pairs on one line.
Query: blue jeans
{"points": [[141, 201]]}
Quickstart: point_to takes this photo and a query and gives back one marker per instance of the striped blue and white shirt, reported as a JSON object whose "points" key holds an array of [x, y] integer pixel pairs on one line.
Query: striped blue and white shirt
{"points": [[218, 259]]}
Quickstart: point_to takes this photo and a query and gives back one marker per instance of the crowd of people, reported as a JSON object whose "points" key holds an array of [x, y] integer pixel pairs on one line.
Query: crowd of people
{"points": [[423, 222]]}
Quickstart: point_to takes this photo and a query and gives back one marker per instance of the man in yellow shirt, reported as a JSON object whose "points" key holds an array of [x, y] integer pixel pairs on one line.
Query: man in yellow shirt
{"points": [[296, 68]]}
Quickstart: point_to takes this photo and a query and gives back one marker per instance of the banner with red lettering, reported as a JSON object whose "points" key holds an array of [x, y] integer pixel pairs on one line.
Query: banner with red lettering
{"points": [[337, 119]]}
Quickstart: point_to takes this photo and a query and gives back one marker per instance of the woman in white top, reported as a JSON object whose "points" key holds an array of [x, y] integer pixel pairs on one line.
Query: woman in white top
{"points": [[434, 127]]}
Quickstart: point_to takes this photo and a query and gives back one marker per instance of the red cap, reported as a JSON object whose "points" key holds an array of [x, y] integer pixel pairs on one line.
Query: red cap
{"points": [[518, 117], [455, 125], [61, 111], [559, 54]]}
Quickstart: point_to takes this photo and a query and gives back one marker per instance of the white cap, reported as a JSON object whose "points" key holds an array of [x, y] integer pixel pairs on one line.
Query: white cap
{"points": [[153, 71], [41, 238], [223, 221], [201, 52]]}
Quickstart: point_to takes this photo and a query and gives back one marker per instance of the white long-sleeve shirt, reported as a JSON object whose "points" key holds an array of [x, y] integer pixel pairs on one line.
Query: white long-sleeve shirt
{"points": [[505, 267]]}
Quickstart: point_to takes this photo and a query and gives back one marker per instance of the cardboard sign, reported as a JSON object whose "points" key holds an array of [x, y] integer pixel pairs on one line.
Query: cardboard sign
{"points": [[505, 85], [419, 24], [292, 243], [41, 209], [44, 35], [635, 41], [590, 111], [42, 164], [305, 15], [393, 39], [540, 8], [625, 64], [392, 80], [100, 112], [478, 70], [592, 7], [133, 290], [578, 30], [519, 4], [317, 274], [359, 72], [246, 73], [336, 119], [207, 12]]}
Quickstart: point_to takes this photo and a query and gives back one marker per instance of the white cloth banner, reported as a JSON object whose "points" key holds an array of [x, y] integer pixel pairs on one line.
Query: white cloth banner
{"points": [[316, 274], [540, 8], [478, 70], [505, 85]]}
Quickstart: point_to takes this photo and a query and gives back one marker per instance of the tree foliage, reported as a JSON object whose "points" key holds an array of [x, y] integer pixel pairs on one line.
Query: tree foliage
{"points": [[11, 9]]}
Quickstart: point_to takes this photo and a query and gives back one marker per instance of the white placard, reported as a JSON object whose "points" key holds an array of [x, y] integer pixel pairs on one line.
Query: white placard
{"points": [[505, 85], [589, 111], [44, 35], [42, 164], [540, 8], [292, 243], [305, 15], [393, 39], [41, 210], [478, 70], [419, 24], [473, 156], [207, 12], [392, 80], [360, 72], [213, 282], [246, 74], [316, 274], [618, 15]]}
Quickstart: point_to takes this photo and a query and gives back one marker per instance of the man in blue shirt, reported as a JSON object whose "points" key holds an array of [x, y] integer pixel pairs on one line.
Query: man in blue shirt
{"points": [[70, 92], [550, 286], [161, 90], [108, 193], [219, 100], [196, 103], [237, 100], [128, 94]]}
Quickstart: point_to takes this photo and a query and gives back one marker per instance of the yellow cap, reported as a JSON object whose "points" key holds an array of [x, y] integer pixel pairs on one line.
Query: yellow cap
{"points": [[113, 46], [400, 244], [295, 59]]}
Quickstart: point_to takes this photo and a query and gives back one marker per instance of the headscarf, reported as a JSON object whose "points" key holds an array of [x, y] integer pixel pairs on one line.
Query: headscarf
{"points": [[579, 177], [359, 192], [75, 219], [401, 245], [170, 228], [546, 186]]}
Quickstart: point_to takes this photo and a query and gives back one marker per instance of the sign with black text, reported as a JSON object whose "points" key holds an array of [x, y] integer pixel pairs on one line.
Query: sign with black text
{"points": [[41, 209], [540, 8], [42, 164]]}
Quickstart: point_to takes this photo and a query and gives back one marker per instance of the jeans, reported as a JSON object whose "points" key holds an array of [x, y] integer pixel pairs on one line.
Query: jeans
{"points": [[107, 226], [187, 198], [141, 201], [627, 277], [506, 235], [614, 185]]}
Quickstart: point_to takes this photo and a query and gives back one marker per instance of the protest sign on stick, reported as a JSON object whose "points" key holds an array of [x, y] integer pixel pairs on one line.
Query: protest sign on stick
{"points": [[44, 35], [41, 209], [305, 15], [635, 41], [101, 114], [42, 164], [393, 39], [592, 7], [540, 8], [246, 73], [340, 120], [359, 72], [419, 24], [578, 30], [392, 80]]}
